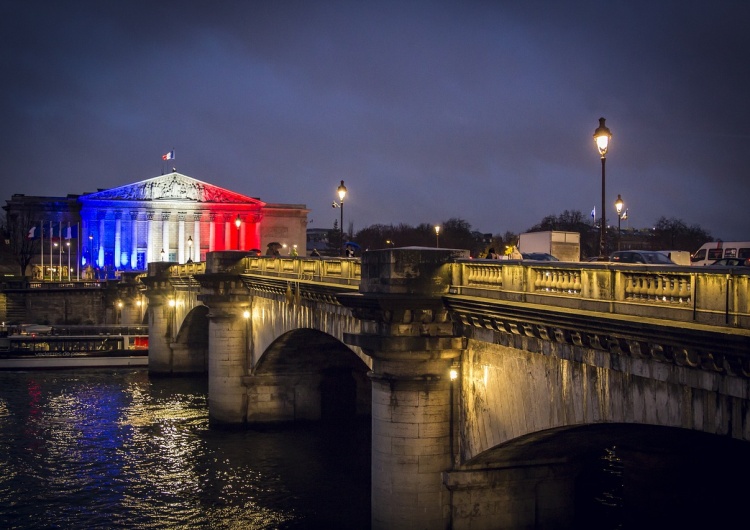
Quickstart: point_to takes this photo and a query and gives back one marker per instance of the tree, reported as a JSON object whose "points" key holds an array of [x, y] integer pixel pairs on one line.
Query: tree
{"points": [[674, 234], [18, 225], [454, 233]]}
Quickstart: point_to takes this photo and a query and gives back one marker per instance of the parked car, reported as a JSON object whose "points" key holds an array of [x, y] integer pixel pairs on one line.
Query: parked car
{"points": [[538, 256], [731, 262], [648, 257]]}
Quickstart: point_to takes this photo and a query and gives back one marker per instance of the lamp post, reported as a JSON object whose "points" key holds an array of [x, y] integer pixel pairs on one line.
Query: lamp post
{"points": [[618, 208], [237, 223], [342, 193], [190, 249], [602, 137], [437, 236]]}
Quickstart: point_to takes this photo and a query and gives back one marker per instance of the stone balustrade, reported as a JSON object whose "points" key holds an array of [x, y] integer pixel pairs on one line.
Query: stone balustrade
{"points": [[692, 294], [346, 271], [703, 295]]}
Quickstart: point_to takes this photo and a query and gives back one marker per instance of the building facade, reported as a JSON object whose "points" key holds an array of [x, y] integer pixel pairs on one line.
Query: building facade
{"points": [[173, 217]]}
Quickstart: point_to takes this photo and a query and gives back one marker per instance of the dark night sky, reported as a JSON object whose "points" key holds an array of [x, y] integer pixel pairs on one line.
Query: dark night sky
{"points": [[427, 110]]}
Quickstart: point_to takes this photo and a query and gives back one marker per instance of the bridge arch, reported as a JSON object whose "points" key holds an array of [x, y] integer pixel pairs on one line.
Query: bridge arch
{"points": [[306, 374], [607, 472], [190, 346]]}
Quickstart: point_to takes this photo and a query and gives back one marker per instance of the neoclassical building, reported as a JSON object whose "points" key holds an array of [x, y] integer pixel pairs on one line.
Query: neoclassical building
{"points": [[171, 217]]}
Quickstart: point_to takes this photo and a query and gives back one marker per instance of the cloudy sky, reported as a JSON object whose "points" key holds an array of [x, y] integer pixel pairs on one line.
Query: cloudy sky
{"points": [[479, 110]]}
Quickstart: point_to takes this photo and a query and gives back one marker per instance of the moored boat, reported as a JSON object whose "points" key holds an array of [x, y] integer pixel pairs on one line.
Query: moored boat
{"points": [[50, 347]]}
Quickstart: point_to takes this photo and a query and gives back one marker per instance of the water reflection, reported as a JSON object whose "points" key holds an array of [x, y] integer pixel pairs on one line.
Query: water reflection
{"points": [[116, 449]]}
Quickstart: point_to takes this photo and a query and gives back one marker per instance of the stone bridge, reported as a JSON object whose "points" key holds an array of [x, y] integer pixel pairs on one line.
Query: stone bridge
{"points": [[491, 384]]}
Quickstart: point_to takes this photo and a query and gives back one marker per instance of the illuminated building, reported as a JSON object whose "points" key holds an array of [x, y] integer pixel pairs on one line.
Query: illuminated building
{"points": [[172, 218]]}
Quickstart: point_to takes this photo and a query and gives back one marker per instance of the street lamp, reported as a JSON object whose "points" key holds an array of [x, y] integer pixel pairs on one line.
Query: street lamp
{"points": [[618, 207], [237, 223], [342, 193], [602, 137], [437, 236], [190, 249]]}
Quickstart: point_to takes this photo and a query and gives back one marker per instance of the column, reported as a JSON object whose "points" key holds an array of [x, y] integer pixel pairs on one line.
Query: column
{"points": [[150, 243], [242, 235], [196, 237], [134, 239], [100, 259], [255, 231], [212, 232], [118, 238], [228, 232], [181, 237], [165, 235]]}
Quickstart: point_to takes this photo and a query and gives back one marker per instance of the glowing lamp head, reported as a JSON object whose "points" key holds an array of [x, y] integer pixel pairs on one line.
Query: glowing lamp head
{"points": [[341, 191], [238, 221], [437, 229], [619, 204], [454, 374], [602, 137], [172, 302], [246, 314]]}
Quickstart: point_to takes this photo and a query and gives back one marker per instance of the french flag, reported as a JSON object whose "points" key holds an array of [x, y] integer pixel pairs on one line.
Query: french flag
{"points": [[168, 156]]}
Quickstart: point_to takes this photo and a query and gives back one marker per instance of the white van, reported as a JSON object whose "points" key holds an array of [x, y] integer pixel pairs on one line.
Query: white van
{"points": [[710, 252]]}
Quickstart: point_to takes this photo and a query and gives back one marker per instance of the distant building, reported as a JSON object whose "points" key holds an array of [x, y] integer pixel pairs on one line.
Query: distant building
{"points": [[317, 239], [172, 218]]}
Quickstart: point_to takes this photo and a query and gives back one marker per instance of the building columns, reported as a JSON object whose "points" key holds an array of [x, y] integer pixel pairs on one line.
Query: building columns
{"points": [[118, 238], [165, 235], [181, 238], [133, 240], [196, 238], [212, 232]]}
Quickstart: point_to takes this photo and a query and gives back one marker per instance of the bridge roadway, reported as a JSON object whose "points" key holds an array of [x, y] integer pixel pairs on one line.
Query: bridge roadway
{"points": [[552, 362]]}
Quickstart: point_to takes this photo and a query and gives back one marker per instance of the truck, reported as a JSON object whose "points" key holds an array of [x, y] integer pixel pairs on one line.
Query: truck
{"points": [[565, 246]]}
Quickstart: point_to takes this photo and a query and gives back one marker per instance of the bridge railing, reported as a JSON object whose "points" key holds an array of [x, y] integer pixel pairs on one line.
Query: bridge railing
{"points": [[690, 294], [345, 271]]}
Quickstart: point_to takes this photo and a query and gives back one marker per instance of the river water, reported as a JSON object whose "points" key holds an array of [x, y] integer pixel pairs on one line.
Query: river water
{"points": [[112, 449], [109, 448]]}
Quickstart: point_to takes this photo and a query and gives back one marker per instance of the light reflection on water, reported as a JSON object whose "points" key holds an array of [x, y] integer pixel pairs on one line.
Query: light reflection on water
{"points": [[117, 449]]}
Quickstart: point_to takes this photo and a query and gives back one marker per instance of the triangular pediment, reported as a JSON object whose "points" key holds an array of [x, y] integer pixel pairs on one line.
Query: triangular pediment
{"points": [[171, 187]]}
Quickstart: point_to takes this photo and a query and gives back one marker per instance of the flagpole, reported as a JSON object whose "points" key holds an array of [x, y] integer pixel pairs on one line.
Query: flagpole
{"points": [[67, 244], [41, 245], [59, 254], [50, 252], [78, 253]]}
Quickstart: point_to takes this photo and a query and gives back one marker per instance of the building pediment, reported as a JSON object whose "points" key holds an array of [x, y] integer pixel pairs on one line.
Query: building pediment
{"points": [[171, 187]]}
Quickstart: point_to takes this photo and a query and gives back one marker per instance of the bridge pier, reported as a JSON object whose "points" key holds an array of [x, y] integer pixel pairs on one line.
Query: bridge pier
{"points": [[228, 353], [410, 338], [161, 318]]}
